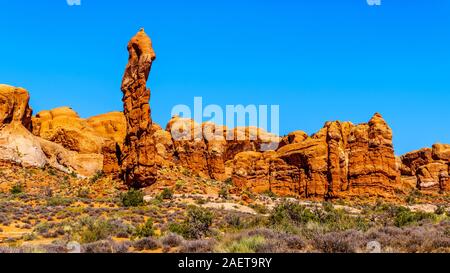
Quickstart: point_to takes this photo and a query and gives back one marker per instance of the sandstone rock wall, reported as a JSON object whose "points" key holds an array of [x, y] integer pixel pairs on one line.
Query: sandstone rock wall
{"points": [[340, 158]]}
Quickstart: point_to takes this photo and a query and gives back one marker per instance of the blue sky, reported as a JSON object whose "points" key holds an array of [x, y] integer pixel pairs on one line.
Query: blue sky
{"points": [[319, 60]]}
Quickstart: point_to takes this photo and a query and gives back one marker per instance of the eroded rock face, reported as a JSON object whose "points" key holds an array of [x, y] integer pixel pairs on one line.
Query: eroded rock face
{"points": [[20, 146], [429, 166], [17, 143], [372, 161], [70, 161], [14, 106], [338, 159], [103, 134], [139, 162]]}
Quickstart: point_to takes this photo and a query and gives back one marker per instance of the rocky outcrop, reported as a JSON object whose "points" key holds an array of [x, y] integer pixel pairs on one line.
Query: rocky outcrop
{"points": [[339, 159], [17, 143], [372, 161], [64, 126], [67, 161], [20, 146], [429, 166], [103, 134], [14, 106], [140, 161]]}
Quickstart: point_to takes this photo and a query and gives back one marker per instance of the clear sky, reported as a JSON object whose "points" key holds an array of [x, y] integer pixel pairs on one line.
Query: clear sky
{"points": [[319, 60]]}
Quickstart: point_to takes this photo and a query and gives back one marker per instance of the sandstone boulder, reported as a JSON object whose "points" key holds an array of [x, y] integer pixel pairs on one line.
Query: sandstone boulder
{"points": [[441, 152], [20, 146], [14, 106]]}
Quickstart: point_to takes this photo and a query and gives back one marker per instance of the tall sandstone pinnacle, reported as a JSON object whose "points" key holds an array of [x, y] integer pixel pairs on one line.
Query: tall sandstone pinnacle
{"points": [[139, 156]]}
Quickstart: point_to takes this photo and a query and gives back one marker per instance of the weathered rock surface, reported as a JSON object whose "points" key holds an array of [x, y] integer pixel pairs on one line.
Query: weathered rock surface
{"points": [[339, 158], [14, 106], [372, 161], [429, 166], [70, 161], [20, 146], [140, 161], [64, 126]]}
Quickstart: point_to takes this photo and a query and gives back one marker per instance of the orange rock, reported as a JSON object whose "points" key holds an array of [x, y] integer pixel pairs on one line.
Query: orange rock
{"points": [[14, 106], [410, 162], [441, 152], [140, 161], [372, 161]]}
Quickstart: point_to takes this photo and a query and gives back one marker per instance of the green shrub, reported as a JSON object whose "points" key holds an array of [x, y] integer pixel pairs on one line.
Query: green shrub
{"points": [[17, 189], [132, 198], [261, 209], [291, 213], [94, 230], [224, 193], [405, 217], [97, 176], [196, 225], [179, 184], [244, 245], [145, 230], [270, 194], [58, 201], [166, 194]]}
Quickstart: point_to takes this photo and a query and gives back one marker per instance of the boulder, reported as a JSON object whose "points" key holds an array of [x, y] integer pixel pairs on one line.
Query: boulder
{"points": [[20, 146], [441, 152], [14, 106]]}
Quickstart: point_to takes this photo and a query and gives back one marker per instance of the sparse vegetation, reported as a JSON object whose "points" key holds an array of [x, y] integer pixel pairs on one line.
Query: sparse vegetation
{"points": [[17, 189], [132, 198]]}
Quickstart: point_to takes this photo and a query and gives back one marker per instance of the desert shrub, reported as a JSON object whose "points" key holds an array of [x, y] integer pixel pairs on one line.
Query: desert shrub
{"points": [[270, 194], [198, 246], [234, 221], [105, 246], [179, 184], [224, 193], [339, 242], [440, 210], [166, 194], [58, 201], [228, 181], [17, 189], [146, 244], [196, 225], [145, 230], [83, 192], [404, 217], [261, 209], [243, 245], [172, 240], [132, 198], [97, 176], [287, 214], [91, 230]]}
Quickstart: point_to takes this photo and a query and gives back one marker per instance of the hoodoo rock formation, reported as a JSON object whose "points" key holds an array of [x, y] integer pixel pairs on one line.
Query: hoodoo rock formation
{"points": [[139, 162]]}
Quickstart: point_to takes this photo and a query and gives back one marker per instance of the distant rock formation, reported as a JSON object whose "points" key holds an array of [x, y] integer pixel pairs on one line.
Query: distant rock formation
{"points": [[430, 167], [340, 158]]}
